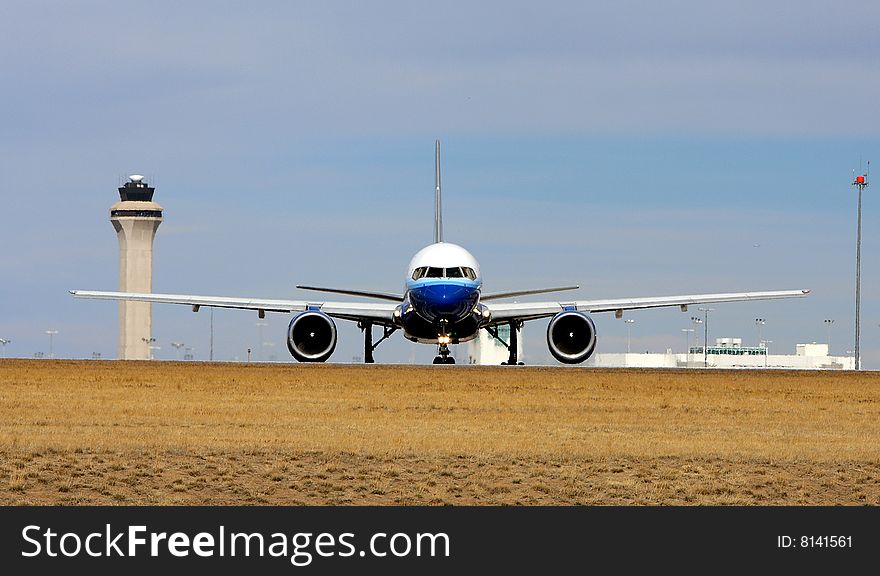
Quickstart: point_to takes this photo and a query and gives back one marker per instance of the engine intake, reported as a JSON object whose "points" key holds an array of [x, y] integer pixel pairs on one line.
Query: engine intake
{"points": [[571, 337], [311, 336]]}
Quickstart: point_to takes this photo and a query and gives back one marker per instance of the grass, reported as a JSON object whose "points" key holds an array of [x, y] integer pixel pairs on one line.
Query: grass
{"points": [[194, 433]]}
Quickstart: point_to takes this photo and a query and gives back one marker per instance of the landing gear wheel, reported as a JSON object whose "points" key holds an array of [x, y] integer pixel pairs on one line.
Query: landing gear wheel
{"points": [[444, 357]]}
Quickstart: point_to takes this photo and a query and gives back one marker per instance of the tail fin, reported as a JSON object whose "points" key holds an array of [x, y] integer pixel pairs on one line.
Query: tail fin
{"points": [[438, 208]]}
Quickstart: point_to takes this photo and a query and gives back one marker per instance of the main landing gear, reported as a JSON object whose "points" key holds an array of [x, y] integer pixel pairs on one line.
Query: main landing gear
{"points": [[367, 327], [512, 345]]}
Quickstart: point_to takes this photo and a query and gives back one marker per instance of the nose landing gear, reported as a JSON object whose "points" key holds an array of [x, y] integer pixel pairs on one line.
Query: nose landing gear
{"points": [[444, 357], [443, 339]]}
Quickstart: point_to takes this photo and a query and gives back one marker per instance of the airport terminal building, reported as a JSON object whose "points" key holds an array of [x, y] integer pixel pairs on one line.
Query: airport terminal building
{"points": [[729, 353]]}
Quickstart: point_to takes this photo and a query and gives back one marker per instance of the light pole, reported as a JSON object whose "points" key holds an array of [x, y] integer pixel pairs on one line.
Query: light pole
{"points": [[629, 323], [149, 342], [177, 346], [4, 342], [828, 323], [705, 312], [260, 348], [860, 182], [152, 348], [51, 334], [759, 322], [687, 348], [697, 321]]}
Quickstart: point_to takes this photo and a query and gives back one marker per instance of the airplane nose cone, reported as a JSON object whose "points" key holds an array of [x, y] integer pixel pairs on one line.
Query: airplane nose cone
{"points": [[444, 301]]}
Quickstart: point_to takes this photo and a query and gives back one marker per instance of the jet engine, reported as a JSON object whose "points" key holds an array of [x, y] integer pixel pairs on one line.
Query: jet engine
{"points": [[311, 336], [571, 337]]}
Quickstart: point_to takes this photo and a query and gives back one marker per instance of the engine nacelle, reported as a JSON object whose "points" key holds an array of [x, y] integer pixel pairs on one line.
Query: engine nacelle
{"points": [[571, 337], [311, 336]]}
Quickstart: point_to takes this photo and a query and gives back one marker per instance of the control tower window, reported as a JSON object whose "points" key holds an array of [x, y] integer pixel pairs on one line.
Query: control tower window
{"points": [[435, 272], [454, 273]]}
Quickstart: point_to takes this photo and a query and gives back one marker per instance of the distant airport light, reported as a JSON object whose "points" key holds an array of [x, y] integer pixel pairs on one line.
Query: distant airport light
{"points": [[759, 323], [629, 324], [828, 323], [697, 321]]}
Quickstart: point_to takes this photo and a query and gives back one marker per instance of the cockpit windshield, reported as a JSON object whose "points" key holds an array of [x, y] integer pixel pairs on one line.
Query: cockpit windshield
{"points": [[437, 272]]}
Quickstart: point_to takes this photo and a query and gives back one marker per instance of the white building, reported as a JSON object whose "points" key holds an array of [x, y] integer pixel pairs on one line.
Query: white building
{"points": [[730, 353]]}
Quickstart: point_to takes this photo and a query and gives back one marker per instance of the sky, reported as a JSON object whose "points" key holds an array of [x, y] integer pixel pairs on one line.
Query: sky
{"points": [[633, 148]]}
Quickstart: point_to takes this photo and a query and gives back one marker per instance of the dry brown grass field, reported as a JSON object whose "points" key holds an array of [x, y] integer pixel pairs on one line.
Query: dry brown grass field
{"points": [[95, 432]]}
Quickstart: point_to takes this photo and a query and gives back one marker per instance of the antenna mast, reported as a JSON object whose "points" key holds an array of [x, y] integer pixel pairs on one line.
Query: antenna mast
{"points": [[861, 182]]}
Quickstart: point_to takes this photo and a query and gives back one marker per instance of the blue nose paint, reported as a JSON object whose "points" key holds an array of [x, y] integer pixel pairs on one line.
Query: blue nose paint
{"points": [[444, 299]]}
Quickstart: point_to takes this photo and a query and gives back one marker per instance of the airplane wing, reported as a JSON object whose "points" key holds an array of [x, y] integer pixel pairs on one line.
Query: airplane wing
{"points": [[501, 295], [380, 313], [365, 293], [522, 311]]}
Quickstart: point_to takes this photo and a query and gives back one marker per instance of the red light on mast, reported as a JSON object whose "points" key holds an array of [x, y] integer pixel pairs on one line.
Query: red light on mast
{"points": [[860, 179]]}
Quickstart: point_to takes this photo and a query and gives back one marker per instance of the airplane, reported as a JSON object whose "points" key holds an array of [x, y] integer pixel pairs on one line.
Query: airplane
{"points": [[442, 304]]}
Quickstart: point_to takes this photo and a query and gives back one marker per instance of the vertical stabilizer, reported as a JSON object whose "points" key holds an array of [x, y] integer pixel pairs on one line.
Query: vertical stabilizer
{"points": [[438, 208]]}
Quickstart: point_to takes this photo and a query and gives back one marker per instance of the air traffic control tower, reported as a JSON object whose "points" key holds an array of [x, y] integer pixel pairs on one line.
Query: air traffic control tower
{"points": [[135, 218]]}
